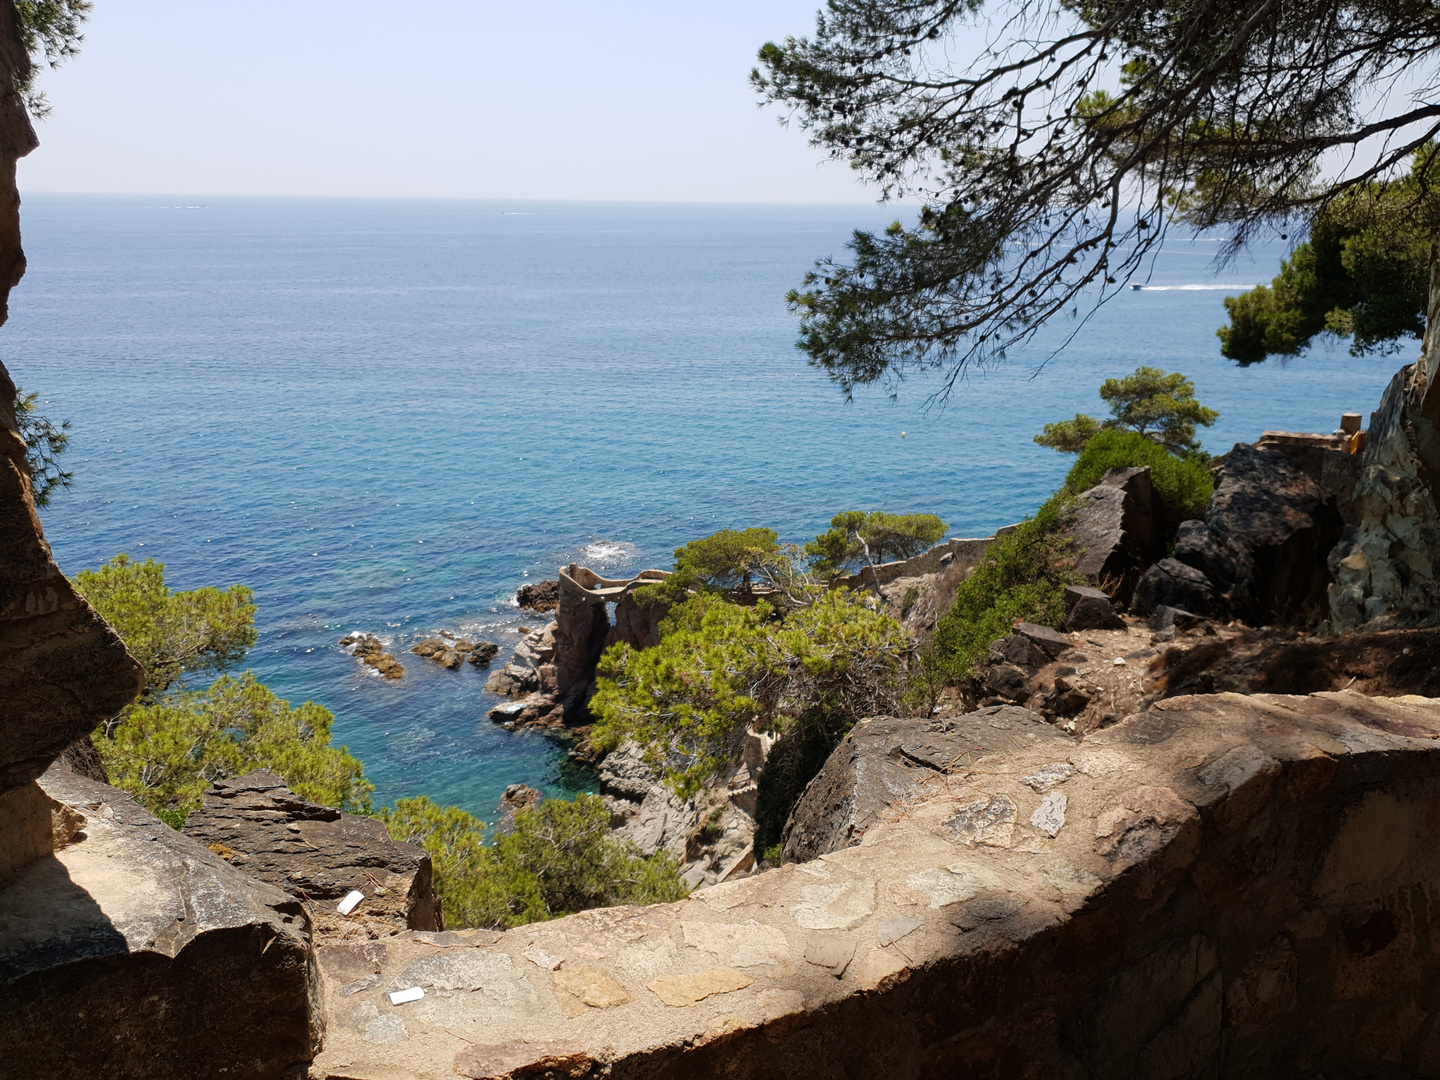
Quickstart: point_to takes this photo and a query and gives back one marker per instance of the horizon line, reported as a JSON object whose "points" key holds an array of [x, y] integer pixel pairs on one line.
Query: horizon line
{"points": [[460, 198]]}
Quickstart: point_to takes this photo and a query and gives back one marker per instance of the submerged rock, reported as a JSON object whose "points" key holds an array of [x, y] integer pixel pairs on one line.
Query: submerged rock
{"points": [[483, 653], [368, 649]]}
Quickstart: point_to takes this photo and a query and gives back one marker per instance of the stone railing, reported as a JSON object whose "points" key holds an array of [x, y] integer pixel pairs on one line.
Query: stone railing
{"points": [[1222, 886], [943, 556]]}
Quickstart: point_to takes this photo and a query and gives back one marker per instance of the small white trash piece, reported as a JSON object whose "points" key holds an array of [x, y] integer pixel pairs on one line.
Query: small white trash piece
{"points": [[400, 997], [352, 898]]}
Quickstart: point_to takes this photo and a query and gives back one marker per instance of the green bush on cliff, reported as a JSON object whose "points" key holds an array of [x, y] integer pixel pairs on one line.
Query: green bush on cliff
{"points": [[168, 747], [725, 562], [855, 536], [166, 752], [721, 668], [558, 859], [1159, 405], [1184, 484], [1022, 576]]}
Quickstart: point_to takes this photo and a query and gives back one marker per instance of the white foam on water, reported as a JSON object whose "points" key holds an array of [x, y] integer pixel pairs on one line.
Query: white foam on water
{"points": [[1194, 288], [609, 551]]}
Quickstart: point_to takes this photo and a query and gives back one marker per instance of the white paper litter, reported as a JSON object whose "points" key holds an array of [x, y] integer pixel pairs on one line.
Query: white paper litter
{"points": [[353, 897], [399, 997]]}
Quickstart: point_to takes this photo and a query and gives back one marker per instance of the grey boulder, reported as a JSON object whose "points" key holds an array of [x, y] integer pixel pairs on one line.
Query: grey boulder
{"points": [[882, 759], [1090, 609]]}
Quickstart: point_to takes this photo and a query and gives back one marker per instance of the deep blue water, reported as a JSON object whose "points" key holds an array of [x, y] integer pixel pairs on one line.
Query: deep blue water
{"points": [[384, 415]]}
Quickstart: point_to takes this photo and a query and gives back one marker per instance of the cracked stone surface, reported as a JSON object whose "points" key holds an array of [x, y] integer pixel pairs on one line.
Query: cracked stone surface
{"points": [[1245, 872]]}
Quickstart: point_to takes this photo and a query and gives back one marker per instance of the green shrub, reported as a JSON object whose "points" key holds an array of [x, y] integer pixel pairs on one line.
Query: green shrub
{"points": [[168, 747], [1022, 576], [856, 539], [558, 859], [727, 561], [166, 753], [721, 668], [1183, 484]]}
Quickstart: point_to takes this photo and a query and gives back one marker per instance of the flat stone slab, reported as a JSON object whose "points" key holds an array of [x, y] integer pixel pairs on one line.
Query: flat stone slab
{"points": [[885, 760], [132, 929]]}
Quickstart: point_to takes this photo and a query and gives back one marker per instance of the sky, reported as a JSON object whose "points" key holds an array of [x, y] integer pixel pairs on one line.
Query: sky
{"points": [[632, 100]]}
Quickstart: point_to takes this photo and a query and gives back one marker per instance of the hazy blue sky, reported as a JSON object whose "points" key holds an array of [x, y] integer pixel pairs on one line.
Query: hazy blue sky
{"points": [[563, 99]]}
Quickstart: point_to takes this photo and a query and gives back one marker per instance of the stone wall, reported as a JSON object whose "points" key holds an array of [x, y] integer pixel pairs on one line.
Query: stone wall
{"points": [[134, 952], [944, 555], [1223, 886]]}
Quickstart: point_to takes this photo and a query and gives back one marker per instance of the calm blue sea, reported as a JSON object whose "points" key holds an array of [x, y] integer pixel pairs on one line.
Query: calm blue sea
{"points": [[386, 415]]}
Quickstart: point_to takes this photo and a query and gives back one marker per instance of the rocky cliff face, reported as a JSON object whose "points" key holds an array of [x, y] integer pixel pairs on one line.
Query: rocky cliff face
{"points": [[62, 670], [132, 951], [1389, 563]]}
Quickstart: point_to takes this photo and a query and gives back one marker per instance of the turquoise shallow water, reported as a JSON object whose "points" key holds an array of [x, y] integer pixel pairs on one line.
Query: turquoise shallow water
{"points": [[386, 415]]}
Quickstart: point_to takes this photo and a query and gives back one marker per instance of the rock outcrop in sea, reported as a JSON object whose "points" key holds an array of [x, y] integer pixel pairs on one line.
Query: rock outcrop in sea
{"points": [[369, 650]]}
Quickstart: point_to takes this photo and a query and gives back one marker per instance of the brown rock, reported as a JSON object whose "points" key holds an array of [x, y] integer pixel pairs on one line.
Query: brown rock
{"points": [[884, 759], [1090, 609], [1050, 643], [1007, 681], [1278, 526], [519, 797], [482, 653], [1387, 563], [158, 958], [1140, 822], [1116, 532], [368, 649], [592, 987], [429, 647], [513, 680], [316, 852], [692, 987], [1170, 583], [539, 595]]}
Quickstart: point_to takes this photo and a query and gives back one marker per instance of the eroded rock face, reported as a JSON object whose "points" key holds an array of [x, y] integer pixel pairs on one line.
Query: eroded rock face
{"points": [[64, 670], [314, 852], [885, 759], [1387, 565], [1279, 527], [1117, 532], [645, 812], [133, 951]]}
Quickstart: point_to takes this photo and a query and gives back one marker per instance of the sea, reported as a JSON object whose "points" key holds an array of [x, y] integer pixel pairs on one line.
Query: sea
{"points": [[387, 415]]}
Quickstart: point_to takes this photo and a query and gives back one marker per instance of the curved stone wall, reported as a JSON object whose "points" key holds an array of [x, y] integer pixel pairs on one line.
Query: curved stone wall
{"points": [[1223, 886]]}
